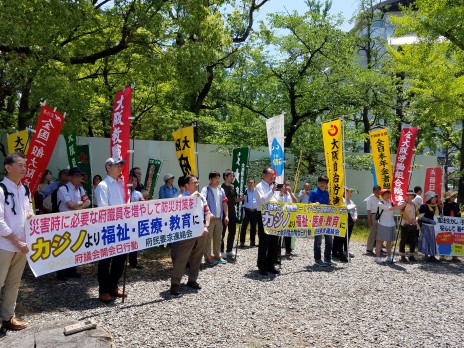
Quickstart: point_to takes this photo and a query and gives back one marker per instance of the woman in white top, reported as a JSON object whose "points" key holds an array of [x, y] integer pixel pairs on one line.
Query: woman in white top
{"points": [[386, 228]]}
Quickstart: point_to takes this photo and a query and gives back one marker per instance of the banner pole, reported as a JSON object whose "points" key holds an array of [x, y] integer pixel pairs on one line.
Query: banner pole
{"points": [[401, 215], [131, 152], [345, 187]]}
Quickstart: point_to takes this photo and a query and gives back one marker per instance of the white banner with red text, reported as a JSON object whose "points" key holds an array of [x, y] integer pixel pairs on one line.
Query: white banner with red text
{"points": [[304, 220], [61, 240]]}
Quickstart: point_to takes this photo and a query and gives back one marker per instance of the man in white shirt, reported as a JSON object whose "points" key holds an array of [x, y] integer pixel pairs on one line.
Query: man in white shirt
{"points": [[287, 196], [71, 196], [418, 199], [372, 203], [268, 244], [111, 191], [15, 208], [303, 196]]}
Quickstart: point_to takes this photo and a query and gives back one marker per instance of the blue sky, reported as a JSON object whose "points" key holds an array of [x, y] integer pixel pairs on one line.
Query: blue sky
{"points": [[345, 7]]}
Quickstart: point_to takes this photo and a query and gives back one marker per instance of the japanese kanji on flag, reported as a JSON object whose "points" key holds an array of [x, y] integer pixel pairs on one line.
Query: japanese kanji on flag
{"points": [[47, 131], [403, 164], [434, 181], [120, 131]]}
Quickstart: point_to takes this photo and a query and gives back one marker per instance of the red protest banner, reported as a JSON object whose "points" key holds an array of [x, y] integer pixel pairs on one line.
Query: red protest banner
{"points": [[403, 164], [120, 131], [434, 181], [47, 131]]}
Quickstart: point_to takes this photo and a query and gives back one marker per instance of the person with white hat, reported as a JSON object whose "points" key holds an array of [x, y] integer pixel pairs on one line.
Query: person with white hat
{"points": [[111, 191], [427, 213], [168, 190]]}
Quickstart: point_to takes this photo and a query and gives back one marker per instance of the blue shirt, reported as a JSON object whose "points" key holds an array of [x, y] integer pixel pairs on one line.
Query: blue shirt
{"points": [[250, 200], [166, 192], [50, 188], [319, 196]]}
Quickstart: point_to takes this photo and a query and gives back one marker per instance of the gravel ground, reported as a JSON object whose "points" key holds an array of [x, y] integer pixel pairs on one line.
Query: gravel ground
{"points": [[360, 304]]}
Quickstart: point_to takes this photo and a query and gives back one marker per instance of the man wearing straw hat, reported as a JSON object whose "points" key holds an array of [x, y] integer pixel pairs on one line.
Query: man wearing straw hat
{"points": [[168, 190]]}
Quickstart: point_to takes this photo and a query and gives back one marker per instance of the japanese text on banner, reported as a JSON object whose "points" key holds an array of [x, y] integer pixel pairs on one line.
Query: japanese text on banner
{"points": [[18, 142], [380, 146], [403, 164], [120, 131], [434, 181], [185, 150], [240, 168], [153, 169], [449, 235], [304, 220], [333, 151], [59, 241], [47, 131], [275, 139]]}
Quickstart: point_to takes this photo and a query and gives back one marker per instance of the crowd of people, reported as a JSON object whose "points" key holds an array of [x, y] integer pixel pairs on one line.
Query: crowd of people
{"points": [[220, 219]]}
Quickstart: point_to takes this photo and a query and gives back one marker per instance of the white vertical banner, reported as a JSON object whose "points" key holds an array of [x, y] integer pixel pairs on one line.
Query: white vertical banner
{"points": [[275, 138]]}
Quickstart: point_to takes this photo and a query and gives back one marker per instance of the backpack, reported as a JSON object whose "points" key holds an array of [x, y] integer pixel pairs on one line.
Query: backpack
{"points": [[378, 214], [6, 193], [54, 198], [55, 202]]}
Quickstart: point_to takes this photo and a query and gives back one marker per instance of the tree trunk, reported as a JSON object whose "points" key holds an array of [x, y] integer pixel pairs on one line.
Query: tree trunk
{"points": [[24, 114], [367, 128]]}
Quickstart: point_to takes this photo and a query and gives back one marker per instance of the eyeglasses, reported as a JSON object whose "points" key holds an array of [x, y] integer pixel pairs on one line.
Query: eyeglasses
{"points": [[194, 182]]}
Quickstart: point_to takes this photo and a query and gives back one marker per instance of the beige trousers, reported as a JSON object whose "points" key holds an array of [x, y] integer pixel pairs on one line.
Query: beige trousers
{"points": [[11, 270], [215, 235], [372, 234], [188, 250]]}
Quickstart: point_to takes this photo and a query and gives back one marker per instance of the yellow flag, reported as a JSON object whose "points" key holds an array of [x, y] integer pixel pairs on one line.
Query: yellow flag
{"points": [[18, 142], [381, 157], [185, 150], [333, 151]]}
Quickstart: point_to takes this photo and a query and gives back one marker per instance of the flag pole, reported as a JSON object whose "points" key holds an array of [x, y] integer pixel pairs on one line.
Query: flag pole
{"points": [[344, 194]]}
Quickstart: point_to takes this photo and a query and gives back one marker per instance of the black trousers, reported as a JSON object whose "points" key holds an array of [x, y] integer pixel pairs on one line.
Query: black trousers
{"points": [[133, 258], [408, 236], [340, 244], [232, 227], [109, 272], [251, 217], [67, 272], [288, 244], [267, 249]]}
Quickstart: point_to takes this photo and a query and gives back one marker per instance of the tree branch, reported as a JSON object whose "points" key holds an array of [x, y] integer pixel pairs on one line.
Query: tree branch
{"points": [[254, 6]]}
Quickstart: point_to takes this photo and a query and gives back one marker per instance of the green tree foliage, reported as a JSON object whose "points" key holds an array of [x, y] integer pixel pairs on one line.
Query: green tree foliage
{"points": [[433, 66]]}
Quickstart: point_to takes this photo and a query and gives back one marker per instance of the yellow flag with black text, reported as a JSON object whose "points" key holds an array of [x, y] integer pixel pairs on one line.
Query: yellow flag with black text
{"points": [[381, 156], [185, 150], [333, 151], [18, 142]]}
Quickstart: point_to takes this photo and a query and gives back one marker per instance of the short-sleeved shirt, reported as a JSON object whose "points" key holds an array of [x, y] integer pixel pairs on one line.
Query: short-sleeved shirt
{"points": [[387, 218], [69, 193], [319, 196], [250, 200], [231, 195], [136, 196], [372, 204]]}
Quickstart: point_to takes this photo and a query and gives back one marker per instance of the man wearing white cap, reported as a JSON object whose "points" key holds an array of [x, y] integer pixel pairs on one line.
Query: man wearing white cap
{"points": [[111, 191], [168, 190]]}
